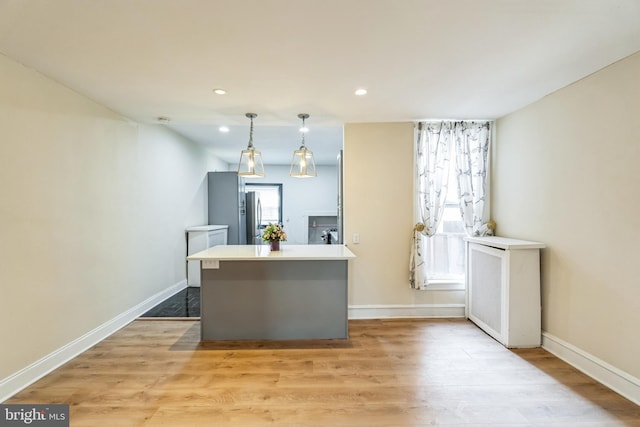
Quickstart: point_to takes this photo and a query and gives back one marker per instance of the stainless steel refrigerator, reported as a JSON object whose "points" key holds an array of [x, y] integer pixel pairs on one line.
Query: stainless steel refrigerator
{"points": [[254, 218]]}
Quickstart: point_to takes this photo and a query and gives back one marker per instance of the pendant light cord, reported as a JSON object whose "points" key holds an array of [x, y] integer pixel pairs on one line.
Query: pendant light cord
{"points": [[251, 135], [303, 126]]}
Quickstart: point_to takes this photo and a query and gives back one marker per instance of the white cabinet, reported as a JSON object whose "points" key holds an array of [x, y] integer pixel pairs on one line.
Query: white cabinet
{"points": [[503, 289], [198, 239]]}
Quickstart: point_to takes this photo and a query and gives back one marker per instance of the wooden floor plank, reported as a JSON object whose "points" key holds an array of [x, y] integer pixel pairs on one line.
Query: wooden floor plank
{"points": [[408, 372]]}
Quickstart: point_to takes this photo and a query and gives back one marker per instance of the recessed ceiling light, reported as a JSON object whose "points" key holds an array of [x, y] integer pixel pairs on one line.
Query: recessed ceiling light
{"points": [[223, 129], [361, 92], [219, 91]]}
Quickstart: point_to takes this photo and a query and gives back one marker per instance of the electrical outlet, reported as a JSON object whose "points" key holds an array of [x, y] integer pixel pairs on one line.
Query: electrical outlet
{"points": [[356, 238]]}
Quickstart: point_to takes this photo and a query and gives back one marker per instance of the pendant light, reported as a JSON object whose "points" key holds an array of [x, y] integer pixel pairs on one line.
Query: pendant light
{"points": [[250, 165], [303, 165]]}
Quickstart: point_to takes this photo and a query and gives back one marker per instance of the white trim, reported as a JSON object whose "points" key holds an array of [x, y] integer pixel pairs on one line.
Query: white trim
{"points": [[32, 373], [610, 376], [444, 285], [405, 311]]}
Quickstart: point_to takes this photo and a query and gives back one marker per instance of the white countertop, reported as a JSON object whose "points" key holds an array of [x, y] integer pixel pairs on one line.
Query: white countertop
{"points": [[505, 242], [262, 253], [207, 227]]}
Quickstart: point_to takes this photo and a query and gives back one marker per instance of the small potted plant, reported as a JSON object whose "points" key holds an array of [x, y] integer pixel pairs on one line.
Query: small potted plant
{"points": [[274, 234]]}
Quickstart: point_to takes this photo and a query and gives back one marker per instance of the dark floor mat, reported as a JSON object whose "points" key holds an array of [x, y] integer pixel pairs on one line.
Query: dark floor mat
{"points": [[185, 303]]}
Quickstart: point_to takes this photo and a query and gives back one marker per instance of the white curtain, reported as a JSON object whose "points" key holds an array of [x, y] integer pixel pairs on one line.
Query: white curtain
{"points": [[472, 140], [433, 147]]}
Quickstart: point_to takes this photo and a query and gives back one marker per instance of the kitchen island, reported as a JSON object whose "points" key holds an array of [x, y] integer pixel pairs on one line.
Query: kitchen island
{"points": [[250, 293]]}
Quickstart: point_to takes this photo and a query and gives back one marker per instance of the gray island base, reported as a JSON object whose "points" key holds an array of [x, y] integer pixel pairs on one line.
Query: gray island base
{"points": [[250, 293]]}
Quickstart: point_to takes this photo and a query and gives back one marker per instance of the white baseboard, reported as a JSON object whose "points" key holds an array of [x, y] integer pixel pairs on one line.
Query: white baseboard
{"points": [[405, 311], [30, 374], [610, 376]]}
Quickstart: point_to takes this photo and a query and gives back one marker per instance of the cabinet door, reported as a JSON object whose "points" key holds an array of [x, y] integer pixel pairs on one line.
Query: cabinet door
{"points": [[487, 292], [217, 237], [226, 204], [196, 242]]}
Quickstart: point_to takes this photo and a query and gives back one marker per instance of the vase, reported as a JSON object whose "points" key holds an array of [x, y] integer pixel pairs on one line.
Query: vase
{"points": [[274, 245]]}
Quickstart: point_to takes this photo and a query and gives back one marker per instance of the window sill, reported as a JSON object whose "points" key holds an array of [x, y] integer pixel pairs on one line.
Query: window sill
{"points": [[445, 285]]}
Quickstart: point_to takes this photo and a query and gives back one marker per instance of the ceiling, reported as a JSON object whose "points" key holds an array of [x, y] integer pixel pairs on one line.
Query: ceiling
{"points": [[418, 59]]}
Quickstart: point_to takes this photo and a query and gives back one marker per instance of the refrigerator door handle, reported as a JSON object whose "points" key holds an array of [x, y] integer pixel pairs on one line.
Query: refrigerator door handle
{"points": [[259, 215]]}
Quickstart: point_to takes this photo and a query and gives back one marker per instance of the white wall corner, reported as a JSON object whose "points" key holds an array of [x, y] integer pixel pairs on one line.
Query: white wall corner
{"points": [[32, 373], [405, 311], [610, 376]]}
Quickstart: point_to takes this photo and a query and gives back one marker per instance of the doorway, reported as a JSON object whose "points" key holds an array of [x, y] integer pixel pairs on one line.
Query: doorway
{"points": [[270, 197]]}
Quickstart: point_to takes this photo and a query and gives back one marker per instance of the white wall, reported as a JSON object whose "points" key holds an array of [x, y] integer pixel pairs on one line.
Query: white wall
{"points": [[378, 194], [566, 173], [92, 213]]}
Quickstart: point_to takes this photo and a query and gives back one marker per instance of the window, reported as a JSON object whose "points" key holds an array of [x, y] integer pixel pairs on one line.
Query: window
{"points": [[446, 248], [449, 155]]}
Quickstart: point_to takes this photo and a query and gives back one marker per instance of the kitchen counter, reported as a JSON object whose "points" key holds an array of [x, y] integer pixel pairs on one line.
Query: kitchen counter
{"points": [[211, 257], [251, 293], [199, 238], [207, 227]]}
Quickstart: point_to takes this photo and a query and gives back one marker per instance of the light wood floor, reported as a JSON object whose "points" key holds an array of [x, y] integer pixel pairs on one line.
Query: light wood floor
{"points": [[390, 373]]}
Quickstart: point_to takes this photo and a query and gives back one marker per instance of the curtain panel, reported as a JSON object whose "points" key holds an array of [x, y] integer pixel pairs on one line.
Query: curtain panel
{"points": [[435, 141], [472, 141], [433, 151]]}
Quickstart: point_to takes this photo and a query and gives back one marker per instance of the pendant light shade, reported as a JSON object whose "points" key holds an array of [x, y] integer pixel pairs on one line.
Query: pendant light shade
{"points": [[303, 165], [250, 165]]}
